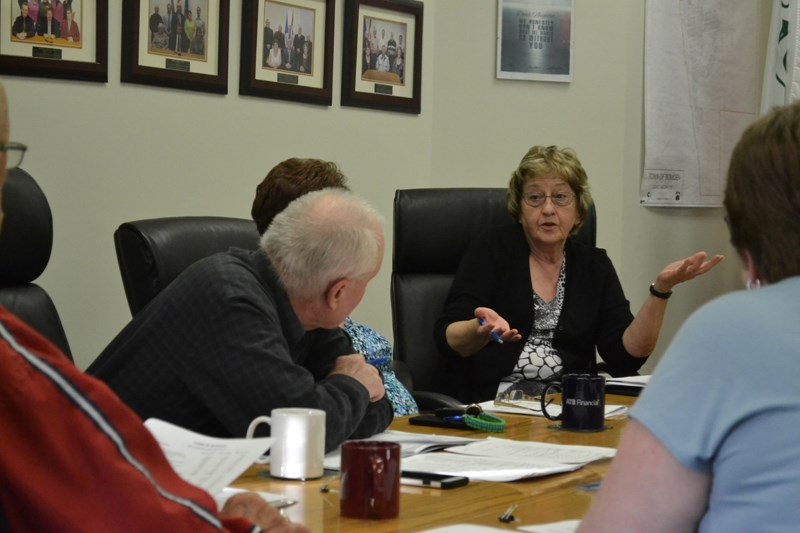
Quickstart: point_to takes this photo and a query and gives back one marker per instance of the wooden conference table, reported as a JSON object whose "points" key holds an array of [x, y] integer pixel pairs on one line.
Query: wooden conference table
{"points": [[539, 500]]}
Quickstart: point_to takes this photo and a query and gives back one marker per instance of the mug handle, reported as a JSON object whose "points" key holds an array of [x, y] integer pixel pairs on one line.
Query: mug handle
{"points": [[544, 405], [264, 459]]}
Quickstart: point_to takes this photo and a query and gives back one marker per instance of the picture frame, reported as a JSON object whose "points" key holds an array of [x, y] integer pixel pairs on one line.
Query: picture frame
{"points": [[535, 40], [83, 55], [271, 67], [379, 81], [190, 58]]}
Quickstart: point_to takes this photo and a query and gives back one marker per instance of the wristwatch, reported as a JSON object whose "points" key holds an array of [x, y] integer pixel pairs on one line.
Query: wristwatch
{"points": [[659, 294]]}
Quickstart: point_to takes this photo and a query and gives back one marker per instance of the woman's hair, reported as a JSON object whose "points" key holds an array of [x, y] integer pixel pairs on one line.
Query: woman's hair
{"points": [[322, 237], [538, 163], [762, 196], [288, 180]]}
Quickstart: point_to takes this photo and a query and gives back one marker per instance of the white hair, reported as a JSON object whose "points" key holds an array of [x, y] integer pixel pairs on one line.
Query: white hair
{"points": [[322, 237]]}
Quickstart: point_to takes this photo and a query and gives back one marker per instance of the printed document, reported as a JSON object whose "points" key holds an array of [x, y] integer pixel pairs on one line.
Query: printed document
{"points": [[208, 462]]}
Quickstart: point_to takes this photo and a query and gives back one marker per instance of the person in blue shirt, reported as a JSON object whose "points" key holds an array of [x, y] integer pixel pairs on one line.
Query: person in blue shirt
{"points": [[289, 180], [712, 441]]}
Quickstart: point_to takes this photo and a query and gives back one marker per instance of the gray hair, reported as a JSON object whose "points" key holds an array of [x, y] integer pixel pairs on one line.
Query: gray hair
{"points": [[322, 237]]}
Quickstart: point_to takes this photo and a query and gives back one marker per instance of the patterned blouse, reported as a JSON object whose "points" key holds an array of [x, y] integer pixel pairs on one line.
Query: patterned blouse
{"points": [[375, 346], [539, 360]]}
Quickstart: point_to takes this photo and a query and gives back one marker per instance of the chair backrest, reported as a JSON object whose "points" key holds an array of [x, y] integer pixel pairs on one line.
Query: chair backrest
{"points": [[432, 230], [26, 241], [151, 253]]}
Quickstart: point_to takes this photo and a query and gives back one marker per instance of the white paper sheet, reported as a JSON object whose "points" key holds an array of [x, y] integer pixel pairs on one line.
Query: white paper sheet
{"points": [[208, 462], [522, 451], [630, 381], [463, 528], [565, 526], [532, 408], [410, 444], [483, 469]]}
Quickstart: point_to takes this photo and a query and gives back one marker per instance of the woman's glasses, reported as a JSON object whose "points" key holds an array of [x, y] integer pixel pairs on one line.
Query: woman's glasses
{"points": [[560, 199]]}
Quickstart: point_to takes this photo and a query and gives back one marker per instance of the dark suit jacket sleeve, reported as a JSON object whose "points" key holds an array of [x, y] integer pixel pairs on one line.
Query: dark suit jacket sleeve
{"points": [[212, 356], [256, 369]]}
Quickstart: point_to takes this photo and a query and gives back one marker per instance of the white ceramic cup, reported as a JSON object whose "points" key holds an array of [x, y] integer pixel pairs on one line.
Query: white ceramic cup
{"points": [[299, 447]]}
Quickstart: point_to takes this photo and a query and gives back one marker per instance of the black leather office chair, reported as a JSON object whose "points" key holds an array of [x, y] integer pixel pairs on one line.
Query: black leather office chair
{"points": [[151, 253], [25, 245], [432, 230]]}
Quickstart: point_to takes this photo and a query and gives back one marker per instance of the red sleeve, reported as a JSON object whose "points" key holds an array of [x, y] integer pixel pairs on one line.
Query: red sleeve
{"points": [[76, 458]]}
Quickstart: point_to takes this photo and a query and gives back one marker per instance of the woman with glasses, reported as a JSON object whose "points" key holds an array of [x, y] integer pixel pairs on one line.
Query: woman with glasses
{"points": [[529, 304]]}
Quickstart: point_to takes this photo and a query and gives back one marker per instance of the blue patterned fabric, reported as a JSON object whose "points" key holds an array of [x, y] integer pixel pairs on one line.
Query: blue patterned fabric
{"points": [[375, 346]]}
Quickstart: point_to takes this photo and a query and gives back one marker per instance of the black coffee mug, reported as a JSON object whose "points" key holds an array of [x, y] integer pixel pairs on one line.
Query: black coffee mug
{"points": [[583, 402]]}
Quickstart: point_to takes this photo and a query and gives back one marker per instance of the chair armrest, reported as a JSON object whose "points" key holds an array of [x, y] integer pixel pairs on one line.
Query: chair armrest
{"points": [[428, 400]]}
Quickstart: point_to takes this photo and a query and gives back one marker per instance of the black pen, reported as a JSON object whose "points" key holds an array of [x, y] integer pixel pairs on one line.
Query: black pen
{"points": [[434, 481]]}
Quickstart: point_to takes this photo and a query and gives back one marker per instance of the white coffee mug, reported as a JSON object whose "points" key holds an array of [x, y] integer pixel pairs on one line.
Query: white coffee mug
{"points": [[299, 447]]}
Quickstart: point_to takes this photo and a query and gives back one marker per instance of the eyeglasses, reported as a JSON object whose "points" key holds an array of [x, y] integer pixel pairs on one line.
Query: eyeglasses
{"points": [[560, 199], [14, 154], [522, 394]]}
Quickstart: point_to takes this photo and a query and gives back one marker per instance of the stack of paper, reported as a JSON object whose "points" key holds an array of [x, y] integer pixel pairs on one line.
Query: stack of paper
{"points": [[565, 526], [208, 462], [507, 460], [631, 385], [410, 444], [534, 408], [500, 459]]}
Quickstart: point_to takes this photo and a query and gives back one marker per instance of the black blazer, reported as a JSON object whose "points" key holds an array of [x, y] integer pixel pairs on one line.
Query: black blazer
{"points": [[495, 273]]}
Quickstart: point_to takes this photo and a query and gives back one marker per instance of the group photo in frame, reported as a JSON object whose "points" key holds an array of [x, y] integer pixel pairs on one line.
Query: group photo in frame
{"points": [[55, 38], [534, 40], [180, 44], [287, 50], [382, 55]]}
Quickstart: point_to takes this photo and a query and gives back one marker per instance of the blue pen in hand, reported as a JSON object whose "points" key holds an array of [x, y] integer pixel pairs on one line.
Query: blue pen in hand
{"points": [[495, 336], [378, 361]]}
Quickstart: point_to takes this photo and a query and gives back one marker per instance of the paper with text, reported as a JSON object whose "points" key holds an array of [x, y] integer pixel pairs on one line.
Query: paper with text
{"points": [[410, 444], [210, 463], [522, 451], [485, 469], [533, 408]]}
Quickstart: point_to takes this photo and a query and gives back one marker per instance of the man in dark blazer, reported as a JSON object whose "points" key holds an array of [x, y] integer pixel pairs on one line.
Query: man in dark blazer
{"points": [[49, 27]]}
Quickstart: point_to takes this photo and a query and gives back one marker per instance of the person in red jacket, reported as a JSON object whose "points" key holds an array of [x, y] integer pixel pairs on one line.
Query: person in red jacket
{"points": [[75, 458]]}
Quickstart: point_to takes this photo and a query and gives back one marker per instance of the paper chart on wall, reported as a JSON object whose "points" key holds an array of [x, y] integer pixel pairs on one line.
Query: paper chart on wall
{"points": [[702, 81]]}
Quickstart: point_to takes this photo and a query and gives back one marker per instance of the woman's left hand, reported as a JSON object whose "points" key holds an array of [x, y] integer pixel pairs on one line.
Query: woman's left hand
{"points": [[685, 269]]}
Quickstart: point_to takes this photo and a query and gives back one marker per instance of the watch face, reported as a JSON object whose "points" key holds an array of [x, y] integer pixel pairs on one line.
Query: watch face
{"points": [[473, 409]]}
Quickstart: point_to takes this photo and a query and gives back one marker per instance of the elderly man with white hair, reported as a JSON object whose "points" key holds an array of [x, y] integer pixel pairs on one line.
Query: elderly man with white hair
{"points": [[244, 332]]}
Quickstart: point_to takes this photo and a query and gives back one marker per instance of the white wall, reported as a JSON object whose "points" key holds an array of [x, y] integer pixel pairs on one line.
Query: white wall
{"points": [[108, 153]]}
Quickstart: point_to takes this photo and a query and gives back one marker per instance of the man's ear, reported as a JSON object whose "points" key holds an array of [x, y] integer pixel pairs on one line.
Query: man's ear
{"points": [[335, 292]]}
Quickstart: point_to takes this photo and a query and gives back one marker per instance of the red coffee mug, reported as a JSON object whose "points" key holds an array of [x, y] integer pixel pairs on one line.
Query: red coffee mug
{"points": [[370, 480]]}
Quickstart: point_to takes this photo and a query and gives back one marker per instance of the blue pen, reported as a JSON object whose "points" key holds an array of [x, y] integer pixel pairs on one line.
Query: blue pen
{"points": [[495, 336], [379, 361]]}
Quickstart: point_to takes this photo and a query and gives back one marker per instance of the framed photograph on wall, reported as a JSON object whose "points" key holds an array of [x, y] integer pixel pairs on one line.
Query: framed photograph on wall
{"points": [[534, 40], [382, 61], [55, 39], [180, 44], [287, 50]]}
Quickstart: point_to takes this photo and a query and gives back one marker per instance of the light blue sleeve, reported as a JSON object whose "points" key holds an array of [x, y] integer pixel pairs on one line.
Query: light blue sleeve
{"points": [[699, 390]]}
